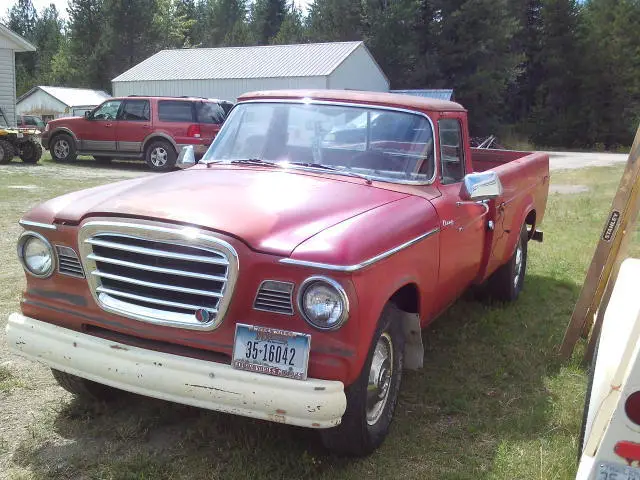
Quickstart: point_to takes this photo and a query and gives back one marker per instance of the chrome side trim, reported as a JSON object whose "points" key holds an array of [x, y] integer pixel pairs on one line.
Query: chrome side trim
{"points": [[357, 105], [29, 223], [359, 266]]}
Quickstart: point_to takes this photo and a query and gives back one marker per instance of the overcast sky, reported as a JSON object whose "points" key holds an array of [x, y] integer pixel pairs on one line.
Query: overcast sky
{"points": [[62, 5]]}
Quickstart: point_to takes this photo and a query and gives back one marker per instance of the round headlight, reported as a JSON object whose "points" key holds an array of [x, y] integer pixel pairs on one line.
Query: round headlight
{"points": [[36, 254], [323, 303]]}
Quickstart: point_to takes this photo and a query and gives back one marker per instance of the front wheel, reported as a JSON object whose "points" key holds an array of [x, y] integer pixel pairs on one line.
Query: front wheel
{"points": [[86, 389], [63, 148], [31, 152], [372, 398]]}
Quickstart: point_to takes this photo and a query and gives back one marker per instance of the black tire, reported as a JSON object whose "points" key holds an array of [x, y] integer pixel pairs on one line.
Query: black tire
{"points": [[160, 156], [86, 389], [102, 160], [359, 435], [63, 148], [503, 284], [6, 151], [31, 152], [587, 401]]}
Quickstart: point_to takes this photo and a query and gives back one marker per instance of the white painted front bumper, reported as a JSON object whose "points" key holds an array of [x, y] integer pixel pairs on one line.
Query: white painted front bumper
{"points": [[214, 386]]}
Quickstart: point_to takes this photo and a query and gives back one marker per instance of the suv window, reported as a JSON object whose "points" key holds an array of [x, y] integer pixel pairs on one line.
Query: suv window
{"points": [[135, 110], [209, 112], [107, 111], [451, 151], [175, 111]]}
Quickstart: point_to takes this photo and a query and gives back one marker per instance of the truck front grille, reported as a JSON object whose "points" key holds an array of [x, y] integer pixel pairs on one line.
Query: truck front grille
{"points": [[160, 274]]}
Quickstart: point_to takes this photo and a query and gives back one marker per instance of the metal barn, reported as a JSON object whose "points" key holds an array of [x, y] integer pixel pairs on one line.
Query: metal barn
{"points": [[228, 72], [55, 102]]}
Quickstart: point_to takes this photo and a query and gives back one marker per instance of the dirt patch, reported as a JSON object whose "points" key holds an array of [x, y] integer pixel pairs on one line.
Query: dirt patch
{"points": [[568, 189]]}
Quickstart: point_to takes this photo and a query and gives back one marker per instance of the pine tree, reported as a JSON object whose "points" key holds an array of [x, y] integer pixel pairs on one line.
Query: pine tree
{"points": [[335, 20], [556, 118], [292, 30], [266, 18]]}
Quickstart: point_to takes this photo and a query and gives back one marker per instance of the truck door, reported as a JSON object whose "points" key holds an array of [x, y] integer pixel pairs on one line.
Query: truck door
{"points": [[98, 132], [462, 224]]}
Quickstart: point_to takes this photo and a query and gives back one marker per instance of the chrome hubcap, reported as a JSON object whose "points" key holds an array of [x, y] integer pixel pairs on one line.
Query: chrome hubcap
{"points": [[61, 149], [518, 265], [159, 157], [379, 378]]}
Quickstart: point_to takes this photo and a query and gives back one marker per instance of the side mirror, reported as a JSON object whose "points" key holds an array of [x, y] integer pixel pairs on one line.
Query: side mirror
{"points": [[187, 158], [481, 186], [87, 114]]}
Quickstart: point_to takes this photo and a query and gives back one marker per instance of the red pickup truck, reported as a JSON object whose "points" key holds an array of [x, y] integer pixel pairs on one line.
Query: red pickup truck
{"points": [[286, 277]]}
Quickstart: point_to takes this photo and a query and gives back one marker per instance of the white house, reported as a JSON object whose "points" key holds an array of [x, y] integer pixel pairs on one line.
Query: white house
{"points": [[228, 72], [10, 43], [55, 102]]}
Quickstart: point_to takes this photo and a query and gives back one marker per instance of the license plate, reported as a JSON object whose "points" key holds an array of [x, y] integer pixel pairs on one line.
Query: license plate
{"points": [[271, 351], [611, 471]]}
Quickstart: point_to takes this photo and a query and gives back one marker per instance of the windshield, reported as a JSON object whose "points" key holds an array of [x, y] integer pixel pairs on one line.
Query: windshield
{"points": [[380, 144]]}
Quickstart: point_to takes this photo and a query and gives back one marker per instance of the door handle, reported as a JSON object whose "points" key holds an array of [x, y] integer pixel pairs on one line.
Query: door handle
{"points": [[146, 126], [107, 125]]}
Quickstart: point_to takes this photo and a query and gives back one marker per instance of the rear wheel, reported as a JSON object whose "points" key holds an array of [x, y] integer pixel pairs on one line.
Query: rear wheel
{"points": [[160, 156], [31, 152], [6, 151], [372, 398], [507, 282], [84, 388], [63, 148]]}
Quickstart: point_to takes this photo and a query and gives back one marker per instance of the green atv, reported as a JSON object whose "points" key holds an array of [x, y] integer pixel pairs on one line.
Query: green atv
{"points": [[23, 142]]}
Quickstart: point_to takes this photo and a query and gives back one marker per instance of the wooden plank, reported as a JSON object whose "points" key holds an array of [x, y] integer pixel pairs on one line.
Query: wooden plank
{"points": [[623, 208]]}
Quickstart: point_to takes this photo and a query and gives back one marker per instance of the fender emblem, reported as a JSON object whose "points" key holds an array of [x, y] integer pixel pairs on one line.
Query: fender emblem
{"points": [[446, 223], [203, 315]]}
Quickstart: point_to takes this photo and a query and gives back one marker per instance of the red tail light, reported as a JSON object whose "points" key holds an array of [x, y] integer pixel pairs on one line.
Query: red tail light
{"points": [[632, 407], [193, 131]]}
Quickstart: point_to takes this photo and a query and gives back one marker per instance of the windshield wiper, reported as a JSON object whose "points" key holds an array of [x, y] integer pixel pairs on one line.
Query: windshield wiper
{"points": [[340, 171], [255, 161]]}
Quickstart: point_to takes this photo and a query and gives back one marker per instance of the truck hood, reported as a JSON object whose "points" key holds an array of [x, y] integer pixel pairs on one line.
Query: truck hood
{"points": [[270, 210]]}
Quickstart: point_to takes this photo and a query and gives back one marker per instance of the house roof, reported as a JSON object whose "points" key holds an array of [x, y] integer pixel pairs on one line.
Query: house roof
{"points": [[410, 102], [20, 44], [440, 94], [71, 97], [269, 61]]}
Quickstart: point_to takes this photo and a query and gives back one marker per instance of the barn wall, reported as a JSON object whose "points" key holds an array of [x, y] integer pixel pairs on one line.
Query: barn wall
{"points": [[7, 85], [40, 103], [226, 89], [359, 71]]}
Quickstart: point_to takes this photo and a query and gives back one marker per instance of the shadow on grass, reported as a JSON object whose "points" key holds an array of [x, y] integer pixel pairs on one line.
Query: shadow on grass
{"points": [[483, 383]]}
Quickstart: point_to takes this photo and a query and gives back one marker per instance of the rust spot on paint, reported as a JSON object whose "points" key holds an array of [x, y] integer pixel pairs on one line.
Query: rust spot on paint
{"points": [[280, 411], [157, 364], [211, 388], [320, 388], [119, 347], [314, 424], [75, 344]]}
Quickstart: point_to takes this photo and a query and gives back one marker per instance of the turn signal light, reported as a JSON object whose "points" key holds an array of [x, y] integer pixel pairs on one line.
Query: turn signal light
{"points": [[193, 131], [632, 407]]}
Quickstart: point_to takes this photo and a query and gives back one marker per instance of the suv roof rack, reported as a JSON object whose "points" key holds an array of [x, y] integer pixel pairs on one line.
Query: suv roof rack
{"points": [[182, 96]]}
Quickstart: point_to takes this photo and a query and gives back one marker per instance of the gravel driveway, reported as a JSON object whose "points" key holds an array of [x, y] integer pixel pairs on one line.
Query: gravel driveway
{"points": [[573, 160]]}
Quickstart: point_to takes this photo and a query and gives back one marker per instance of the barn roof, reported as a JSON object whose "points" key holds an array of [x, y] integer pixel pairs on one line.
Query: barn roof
{"points": [[18, 43], [72, 97], [269, 61]]}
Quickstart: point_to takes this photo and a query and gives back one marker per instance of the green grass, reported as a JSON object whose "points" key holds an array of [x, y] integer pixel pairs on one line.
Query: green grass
{"points": [[492, 402]]}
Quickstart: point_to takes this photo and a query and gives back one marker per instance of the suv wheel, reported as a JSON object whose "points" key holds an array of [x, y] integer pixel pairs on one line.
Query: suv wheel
{"points": [[160, 156], [63, 148]]}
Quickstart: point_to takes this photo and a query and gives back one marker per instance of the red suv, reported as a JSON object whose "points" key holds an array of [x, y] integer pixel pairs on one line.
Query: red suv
{"points": [[150, 128]]}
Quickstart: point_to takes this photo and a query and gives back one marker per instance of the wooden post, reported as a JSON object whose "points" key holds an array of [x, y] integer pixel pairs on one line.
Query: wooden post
{"points": [[606, 260]]}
